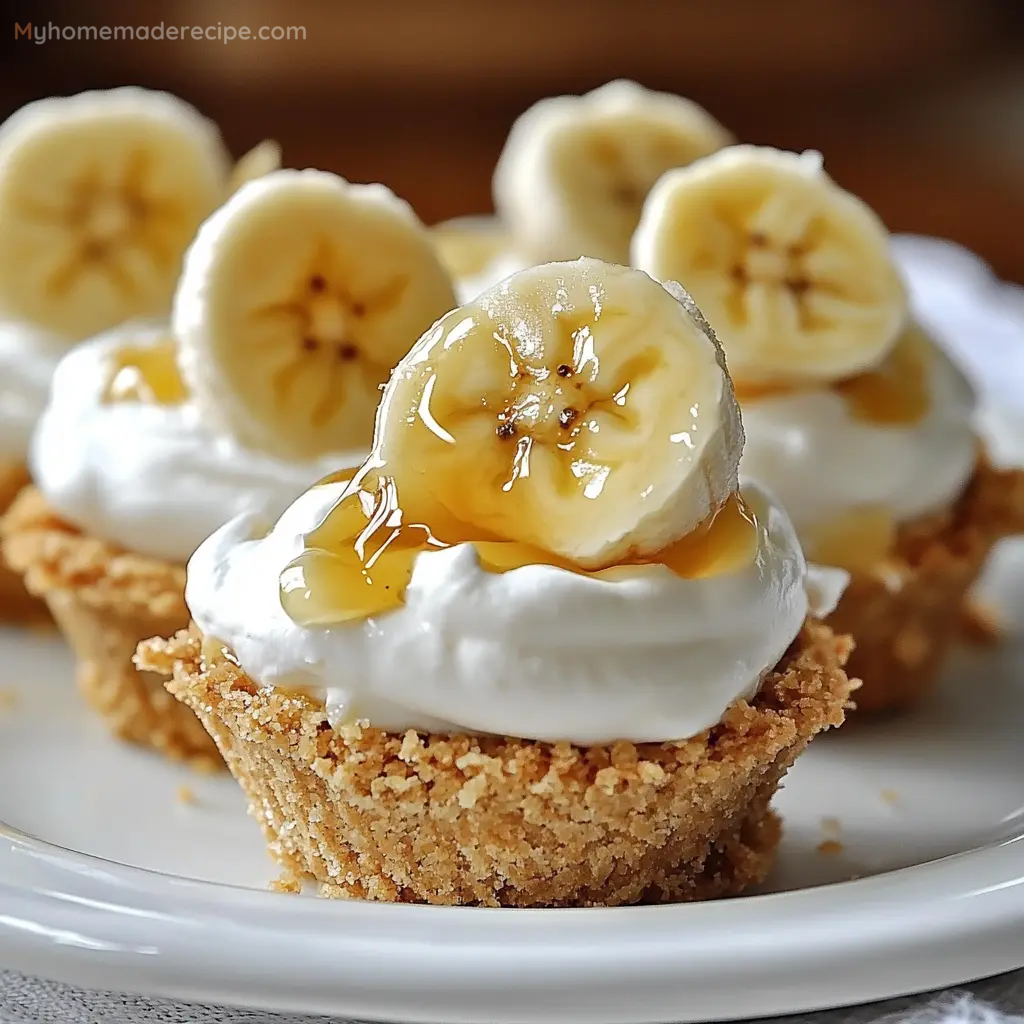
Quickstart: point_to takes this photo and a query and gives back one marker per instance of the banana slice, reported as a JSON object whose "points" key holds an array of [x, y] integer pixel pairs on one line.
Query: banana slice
{"points": [[794, 272], [263, 158], [100, 194], [468, 245], [298, 297], [580, 408], [575, 170]]}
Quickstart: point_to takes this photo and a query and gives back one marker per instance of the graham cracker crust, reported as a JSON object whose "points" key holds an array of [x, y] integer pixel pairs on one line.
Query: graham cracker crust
{"points": [[16, 603], [105, 600], [905, 614], [496, 821]]}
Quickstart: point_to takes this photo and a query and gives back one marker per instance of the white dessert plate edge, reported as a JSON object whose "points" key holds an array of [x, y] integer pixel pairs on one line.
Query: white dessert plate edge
{"points": [[93, 923]]}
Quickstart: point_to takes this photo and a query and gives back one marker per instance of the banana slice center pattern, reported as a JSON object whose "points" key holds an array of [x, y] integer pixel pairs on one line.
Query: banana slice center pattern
{"points": [[111, 220], [631, 165], [765, 264], [623, 184], [564, 409], [330, 327], [772, 252], [558, 400]]}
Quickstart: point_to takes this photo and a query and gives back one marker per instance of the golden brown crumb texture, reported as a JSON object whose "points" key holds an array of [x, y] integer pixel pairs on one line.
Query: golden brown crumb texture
{"points": [[16, 604], [905, 614], [105, 600]]}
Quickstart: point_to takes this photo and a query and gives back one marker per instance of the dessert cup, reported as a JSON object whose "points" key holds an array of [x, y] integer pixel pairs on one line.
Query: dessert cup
{"points": [[129, 173], [149, 440], [857, 419], [105, 600], [493, 821], [588, 701], [906, 612]]}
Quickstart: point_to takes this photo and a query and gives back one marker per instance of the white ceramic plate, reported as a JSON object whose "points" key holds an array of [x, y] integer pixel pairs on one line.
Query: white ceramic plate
{"points": [[110, 879], [169, 898]]}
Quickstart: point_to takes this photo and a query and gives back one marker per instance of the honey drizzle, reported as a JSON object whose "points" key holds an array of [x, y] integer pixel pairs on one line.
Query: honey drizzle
{"points": [[146, 373], [723, 543], [359, 560], [856, 541], [897, 393]]}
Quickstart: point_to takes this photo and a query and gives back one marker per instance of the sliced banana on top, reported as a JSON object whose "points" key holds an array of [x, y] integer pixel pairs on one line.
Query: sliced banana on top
{"points": [[264, 158], [100, 194], [577, 407], [575, 170], [298, 297], [794, 272], [468, 245]]}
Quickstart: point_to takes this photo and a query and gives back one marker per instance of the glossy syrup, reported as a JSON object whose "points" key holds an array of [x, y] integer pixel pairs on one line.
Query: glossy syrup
{"points": [[857, 541], [358, 562], [897, 393], [146, 373]]}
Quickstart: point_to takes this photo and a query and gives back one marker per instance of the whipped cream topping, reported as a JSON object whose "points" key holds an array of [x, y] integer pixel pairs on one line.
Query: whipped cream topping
{"points": [[979, 320], [28, 359], [539, 652], [152, 478], [821, 462]]}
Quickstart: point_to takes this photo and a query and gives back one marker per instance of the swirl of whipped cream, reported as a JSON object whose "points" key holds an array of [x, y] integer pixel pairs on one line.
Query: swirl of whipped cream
{"points": [[538, 652], [821, 461], [28, 359], [152, 478]]}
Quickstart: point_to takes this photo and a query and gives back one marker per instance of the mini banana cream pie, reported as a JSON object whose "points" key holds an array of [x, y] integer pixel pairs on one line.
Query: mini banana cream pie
{"points": [[296, 299], [572, 179], [855, 418], [540, 649], [100, 194]]}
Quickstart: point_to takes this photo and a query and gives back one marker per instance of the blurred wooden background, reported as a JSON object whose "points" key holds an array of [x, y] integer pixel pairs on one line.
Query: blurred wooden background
{"points": [[918, 105]]}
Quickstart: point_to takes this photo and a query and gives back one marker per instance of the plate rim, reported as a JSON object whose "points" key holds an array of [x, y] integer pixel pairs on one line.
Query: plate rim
{"points": [[85, 920]]}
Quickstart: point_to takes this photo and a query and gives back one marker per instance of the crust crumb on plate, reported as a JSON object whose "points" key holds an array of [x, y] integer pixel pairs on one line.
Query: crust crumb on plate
{"points": [[830, 848], [105, 600], [496, 821], [288, 882]]}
